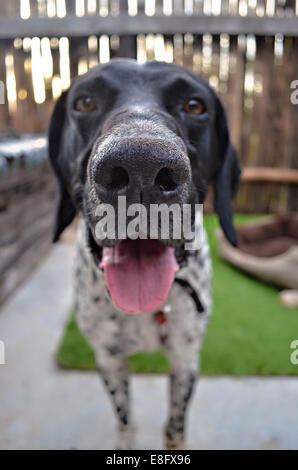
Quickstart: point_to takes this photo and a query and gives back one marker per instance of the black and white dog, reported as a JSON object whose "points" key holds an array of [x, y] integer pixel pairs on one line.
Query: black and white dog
{"points": [[156, 134]]}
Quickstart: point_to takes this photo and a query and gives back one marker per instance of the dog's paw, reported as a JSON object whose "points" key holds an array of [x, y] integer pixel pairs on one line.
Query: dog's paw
{"points": [[125, 438], [171, 444]]}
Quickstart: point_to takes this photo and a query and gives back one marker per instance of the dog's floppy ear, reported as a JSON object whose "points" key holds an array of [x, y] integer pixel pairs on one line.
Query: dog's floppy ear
{"points": [[227, 178], [65, 209]]}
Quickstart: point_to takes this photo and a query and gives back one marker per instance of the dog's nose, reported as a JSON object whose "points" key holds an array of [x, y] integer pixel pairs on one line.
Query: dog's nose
{"points": [[144, 169]]}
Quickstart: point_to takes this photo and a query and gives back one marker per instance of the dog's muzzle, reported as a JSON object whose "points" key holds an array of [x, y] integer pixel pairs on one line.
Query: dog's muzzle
{"points": [[147, 167]]}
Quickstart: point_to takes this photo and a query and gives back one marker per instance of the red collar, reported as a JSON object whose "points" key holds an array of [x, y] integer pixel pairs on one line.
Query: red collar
{"points": [[160, 317]]}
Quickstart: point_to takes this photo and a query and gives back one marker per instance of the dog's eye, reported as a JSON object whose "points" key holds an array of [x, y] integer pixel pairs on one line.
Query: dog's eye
{"points": [[195, 107], [84, 104]]}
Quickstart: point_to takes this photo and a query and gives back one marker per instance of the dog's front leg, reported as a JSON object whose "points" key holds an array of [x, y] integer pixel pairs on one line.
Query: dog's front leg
{"points": [[113, 370], [182, 383], [184, 332]]}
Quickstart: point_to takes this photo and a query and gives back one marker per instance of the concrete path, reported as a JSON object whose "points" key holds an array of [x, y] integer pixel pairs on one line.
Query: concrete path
{"points": [[43, 407]]}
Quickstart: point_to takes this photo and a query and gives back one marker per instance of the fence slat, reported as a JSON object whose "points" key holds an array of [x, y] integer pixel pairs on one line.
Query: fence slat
{"points": [[71, 25]]}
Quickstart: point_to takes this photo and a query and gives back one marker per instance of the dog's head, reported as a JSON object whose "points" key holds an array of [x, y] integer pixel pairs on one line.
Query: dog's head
{"points": [[154, 133]]}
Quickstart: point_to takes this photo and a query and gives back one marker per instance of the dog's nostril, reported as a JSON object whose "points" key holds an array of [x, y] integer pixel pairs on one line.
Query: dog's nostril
{"points": [[165, 181], [119, 178]]}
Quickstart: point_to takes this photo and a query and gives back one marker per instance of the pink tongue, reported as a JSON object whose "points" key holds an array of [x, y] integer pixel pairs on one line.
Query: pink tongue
{"points": [[139, 274]]}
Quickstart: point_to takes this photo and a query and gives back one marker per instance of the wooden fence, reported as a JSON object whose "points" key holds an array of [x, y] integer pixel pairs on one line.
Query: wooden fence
{"points": [[26, 218]]}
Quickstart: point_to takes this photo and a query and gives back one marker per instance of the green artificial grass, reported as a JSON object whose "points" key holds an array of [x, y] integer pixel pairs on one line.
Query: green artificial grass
{"points": [[249, 333]]}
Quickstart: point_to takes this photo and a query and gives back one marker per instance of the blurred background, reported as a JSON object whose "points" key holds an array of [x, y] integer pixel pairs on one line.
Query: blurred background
{"points": [[247, 50]]}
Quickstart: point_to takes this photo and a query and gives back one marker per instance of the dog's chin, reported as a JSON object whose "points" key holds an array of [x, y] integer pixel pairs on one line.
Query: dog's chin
{"points": [[138, 273]]}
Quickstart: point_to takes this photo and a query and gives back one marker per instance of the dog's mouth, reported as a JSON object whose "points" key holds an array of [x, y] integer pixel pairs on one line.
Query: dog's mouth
{"points": [[138, 273]]}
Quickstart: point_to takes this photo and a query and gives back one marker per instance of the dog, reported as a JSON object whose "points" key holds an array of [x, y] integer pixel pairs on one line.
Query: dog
{"points": [[157, 134]]}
